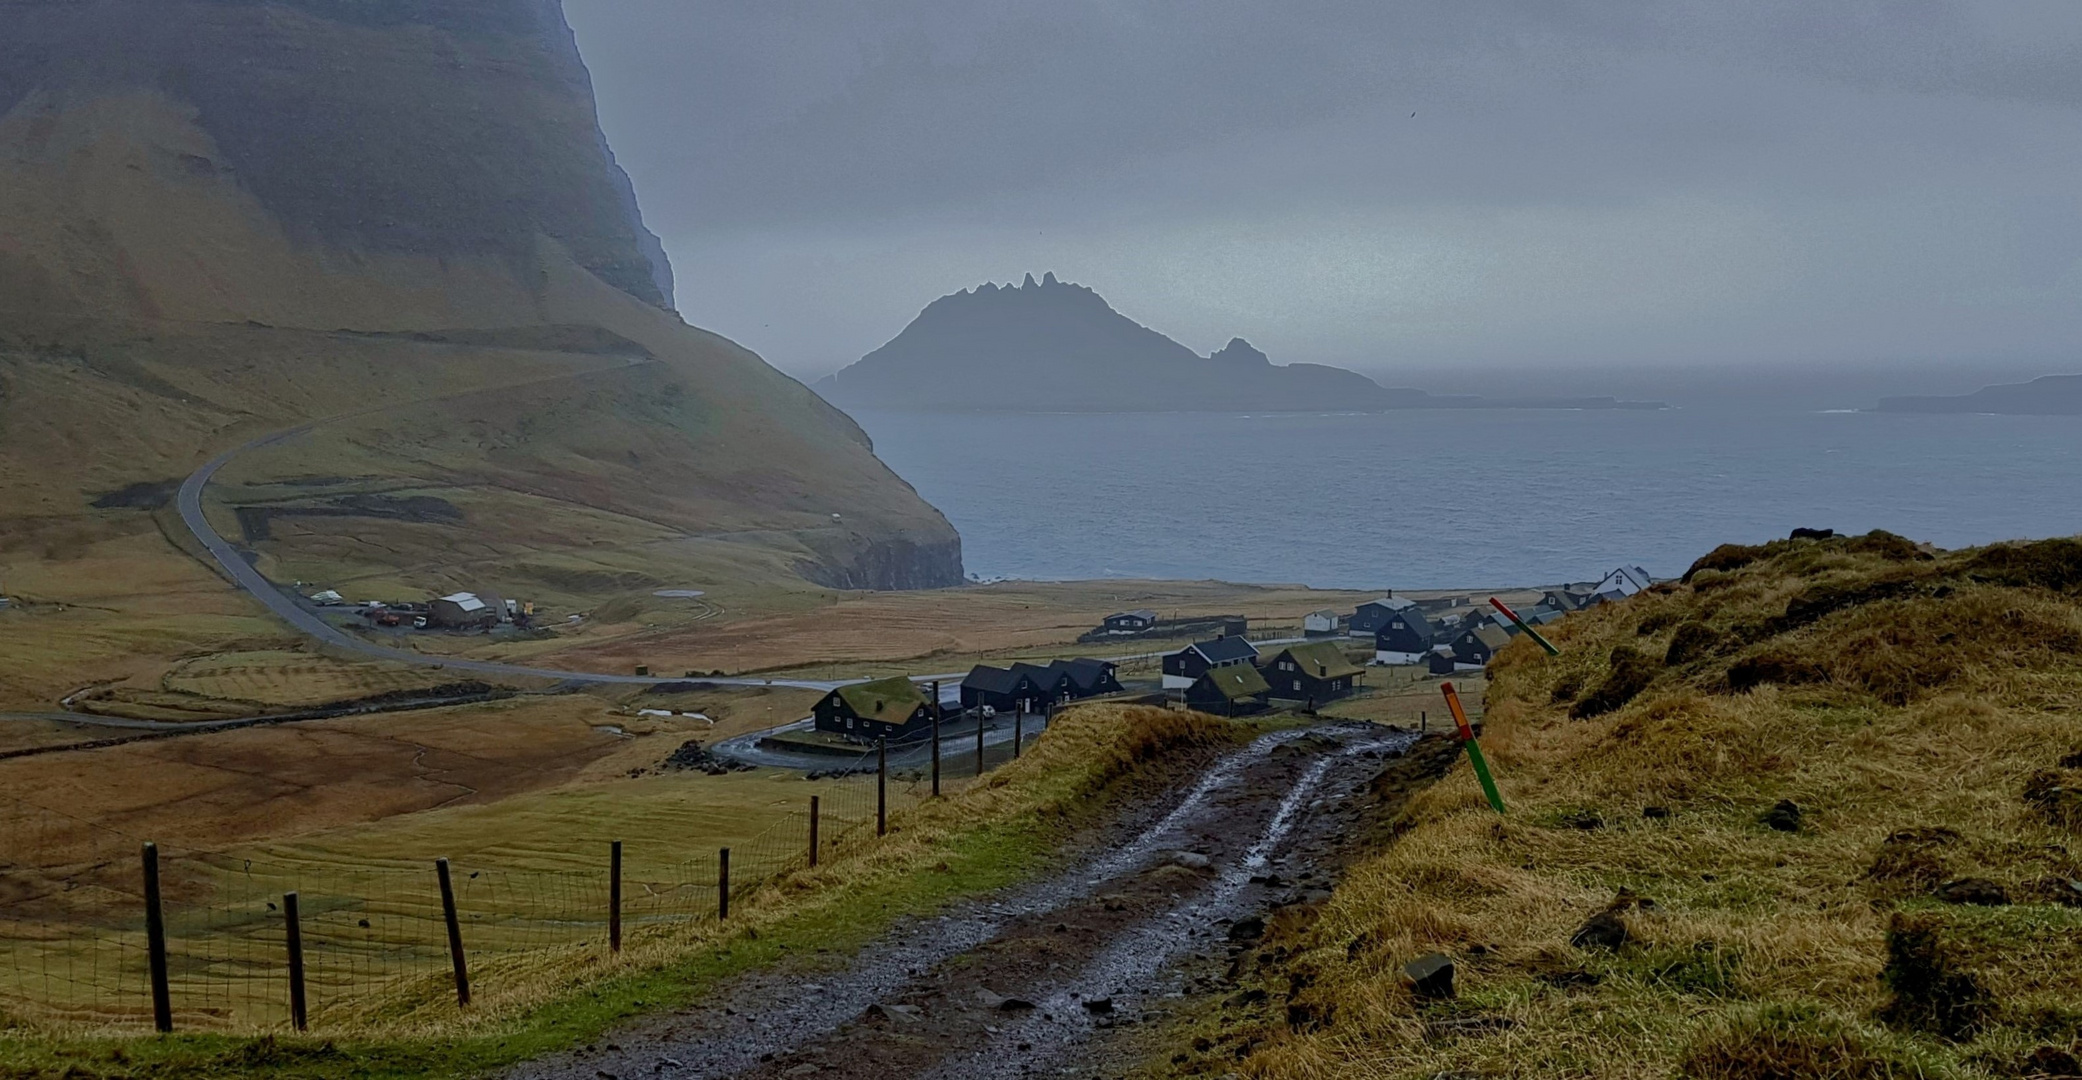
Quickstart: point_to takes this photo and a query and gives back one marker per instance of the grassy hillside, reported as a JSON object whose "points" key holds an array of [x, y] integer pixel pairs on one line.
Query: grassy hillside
{"points": [[397, 221], [984, 834], [1811, 813]]}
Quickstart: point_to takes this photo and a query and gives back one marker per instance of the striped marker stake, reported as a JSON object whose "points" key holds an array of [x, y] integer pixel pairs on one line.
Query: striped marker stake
{"points": [[1525, 626], [1467, 739]]}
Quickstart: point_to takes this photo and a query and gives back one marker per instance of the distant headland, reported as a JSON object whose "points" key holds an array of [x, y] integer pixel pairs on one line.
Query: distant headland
{"points": [[1054, 346], [2048, 395]]}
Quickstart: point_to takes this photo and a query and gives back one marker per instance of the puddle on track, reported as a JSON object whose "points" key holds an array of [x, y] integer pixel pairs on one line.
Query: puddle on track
{"points": [[926, 999]]}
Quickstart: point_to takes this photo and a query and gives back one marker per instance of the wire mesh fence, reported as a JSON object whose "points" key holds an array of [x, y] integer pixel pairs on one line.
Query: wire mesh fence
{"points": [[77, 950]]}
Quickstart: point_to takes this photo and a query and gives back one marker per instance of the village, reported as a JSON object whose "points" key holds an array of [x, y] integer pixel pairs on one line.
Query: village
{"points": [[1226, 673]]}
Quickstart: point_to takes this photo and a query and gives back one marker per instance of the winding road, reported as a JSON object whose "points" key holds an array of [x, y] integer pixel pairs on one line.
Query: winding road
{"points": [[290, 610]]}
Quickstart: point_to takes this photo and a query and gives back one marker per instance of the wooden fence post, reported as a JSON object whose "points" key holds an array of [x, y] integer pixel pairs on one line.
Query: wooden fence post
{"points": [[455, 933], [614, 897], [813, 832], [979, 743], [882, 786], [936, 740], [155, 943], [295, 937], [723, 885], [1018, 733]]}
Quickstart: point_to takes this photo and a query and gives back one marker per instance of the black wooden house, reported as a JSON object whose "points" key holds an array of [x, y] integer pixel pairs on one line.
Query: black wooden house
{"points": [[1184, 667], [1229, 690], [1476, 645], [1129, 622], [1368, 618], [987, 687], [1404, 637], [1315, 672], [892, 709]]}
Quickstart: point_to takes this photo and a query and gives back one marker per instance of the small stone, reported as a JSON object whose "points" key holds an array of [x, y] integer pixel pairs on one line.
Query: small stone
{"points": [[1249, 929], [804, 1069], [1972, 891], [1013, 1004], [1431, 976], [1099, 1006], [1191, 860], [1785, 817]]}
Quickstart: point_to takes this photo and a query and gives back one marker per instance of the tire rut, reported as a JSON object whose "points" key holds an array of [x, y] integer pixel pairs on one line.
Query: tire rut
{"points": [[1043, 977]]}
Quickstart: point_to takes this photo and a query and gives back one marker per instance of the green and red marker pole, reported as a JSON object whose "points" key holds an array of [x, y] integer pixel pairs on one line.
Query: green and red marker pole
{"points": [[1525, 626], [1467, 739]]}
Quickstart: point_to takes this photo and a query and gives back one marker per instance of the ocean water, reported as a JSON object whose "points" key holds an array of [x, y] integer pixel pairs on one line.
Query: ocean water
{"points": [[1464, 499]]}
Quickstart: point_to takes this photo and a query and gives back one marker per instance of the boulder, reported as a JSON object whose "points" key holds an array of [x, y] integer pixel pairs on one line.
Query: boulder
{"points": [[1431, 976]]}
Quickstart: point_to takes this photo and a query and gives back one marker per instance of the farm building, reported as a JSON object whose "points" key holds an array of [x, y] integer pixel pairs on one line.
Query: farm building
{"points": [[1368, 618], [1321, 623], [1439, 661], [465, 609], [1474, 646], [1404, 638], [1312, 673], [1229, 690], [892, 709], [1184, 667], [1129, 622]]}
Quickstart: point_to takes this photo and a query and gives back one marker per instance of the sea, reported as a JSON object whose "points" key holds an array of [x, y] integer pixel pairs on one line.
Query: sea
{"points": [[1464, 499]]}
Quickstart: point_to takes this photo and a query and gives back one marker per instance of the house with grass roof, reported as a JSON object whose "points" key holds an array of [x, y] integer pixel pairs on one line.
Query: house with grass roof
{"points": [[1313, 673], [1231, 690], [893, 709]]}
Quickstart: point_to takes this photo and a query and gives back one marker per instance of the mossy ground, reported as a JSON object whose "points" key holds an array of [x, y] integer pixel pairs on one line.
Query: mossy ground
{"points": [[1919, 708]]}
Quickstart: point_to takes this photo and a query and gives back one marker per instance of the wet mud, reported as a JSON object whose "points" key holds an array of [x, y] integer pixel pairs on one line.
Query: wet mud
{"points": [[1071, 975]]}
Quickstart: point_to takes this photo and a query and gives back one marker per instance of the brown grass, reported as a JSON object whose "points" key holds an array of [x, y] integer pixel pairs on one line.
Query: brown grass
{"points": [[1928, 696]]}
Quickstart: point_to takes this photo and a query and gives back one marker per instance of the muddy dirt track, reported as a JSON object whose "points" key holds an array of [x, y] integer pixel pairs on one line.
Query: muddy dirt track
{"points": [[1066, 976]]}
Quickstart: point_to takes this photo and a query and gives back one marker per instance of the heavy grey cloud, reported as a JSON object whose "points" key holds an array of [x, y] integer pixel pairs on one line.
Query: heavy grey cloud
{"points": [[1621, 182]]}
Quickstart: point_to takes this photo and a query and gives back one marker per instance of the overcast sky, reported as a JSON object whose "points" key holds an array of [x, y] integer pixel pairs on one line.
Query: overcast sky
{"points": [[1616, 183]]}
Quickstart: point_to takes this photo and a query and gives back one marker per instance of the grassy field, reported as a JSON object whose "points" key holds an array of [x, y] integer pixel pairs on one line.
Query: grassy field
{"points": [[986, 834], [1809, 814]]}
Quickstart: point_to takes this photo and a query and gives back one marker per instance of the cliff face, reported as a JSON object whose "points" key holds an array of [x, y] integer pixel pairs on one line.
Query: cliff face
{"points": [[460, 131], [219, 218]]}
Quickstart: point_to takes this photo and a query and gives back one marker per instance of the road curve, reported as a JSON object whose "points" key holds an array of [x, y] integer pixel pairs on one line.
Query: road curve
{"points": [[284, 606]]}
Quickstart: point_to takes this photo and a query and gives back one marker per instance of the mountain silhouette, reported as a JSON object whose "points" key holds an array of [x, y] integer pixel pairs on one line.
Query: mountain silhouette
{"points": [[1055, 346]]}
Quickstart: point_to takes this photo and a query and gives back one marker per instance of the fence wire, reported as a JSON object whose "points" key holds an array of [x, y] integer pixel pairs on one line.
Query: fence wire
{"points": [[74, 953]]}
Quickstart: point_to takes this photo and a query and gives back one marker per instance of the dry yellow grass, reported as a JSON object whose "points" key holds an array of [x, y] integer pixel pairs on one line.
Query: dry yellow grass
{"points": [[531, 887], [1904, 702]]}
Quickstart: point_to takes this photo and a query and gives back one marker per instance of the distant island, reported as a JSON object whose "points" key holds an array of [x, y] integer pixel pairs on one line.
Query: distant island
{"points": [[1053, 346], [2048, 395]]}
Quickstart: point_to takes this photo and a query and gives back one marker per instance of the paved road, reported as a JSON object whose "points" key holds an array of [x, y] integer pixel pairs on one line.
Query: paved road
{"points": [[291, 610]]}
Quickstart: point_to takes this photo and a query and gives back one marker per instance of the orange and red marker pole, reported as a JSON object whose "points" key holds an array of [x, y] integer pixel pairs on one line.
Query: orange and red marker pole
{"points": [[1525, 626], [1467, 739]]}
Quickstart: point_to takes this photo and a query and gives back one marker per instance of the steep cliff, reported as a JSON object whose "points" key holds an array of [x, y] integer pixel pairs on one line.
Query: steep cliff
{"points": [[220, 218]]}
